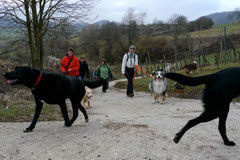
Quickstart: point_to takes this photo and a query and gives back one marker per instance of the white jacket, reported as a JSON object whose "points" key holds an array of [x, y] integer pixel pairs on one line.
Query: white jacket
{"points": [[129, 62]]}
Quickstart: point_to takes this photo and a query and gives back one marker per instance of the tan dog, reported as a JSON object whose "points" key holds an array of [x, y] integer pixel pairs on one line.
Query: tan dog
{"points": [[180, 89], [87, 97]]}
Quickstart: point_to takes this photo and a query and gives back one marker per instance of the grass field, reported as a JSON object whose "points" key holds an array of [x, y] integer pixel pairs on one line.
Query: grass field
{"points": [[7, 36], [218, 30]]}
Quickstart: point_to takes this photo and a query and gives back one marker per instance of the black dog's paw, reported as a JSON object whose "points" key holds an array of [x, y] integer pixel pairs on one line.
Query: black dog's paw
{"points": [[27, 130], [176, 138], [229, 143], [68, 124], [86, 120]]}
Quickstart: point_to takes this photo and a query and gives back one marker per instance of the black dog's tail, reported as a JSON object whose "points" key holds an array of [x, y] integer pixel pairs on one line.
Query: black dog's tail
{"points": [[191, 81], [94, 84]]}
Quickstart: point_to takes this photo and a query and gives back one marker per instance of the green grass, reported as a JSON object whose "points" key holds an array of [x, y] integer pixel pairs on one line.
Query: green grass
{"points": [[139, 84], [218, 29], [8, 35], [22, 111]]}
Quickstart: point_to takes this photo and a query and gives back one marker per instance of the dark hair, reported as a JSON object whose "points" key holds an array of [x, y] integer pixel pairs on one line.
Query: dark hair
{"points": [[71, 49], [104, 60]]}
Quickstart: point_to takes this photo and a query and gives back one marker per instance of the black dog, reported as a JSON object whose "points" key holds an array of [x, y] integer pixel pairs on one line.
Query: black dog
{"points": [[53, 88], [220, 89]]}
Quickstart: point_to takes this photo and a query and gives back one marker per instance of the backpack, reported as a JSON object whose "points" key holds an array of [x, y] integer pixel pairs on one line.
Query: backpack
{"points": [[128, 57], [97, 72]]}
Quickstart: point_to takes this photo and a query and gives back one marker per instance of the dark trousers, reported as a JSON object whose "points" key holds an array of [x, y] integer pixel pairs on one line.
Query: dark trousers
{"points": [[129, 72], [105, 85], [81, 77]]}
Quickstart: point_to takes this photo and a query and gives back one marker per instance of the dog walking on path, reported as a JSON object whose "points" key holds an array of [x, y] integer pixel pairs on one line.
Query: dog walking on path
{"points": [[158, 86], [86, 98], [221, 87], [53, 88]]}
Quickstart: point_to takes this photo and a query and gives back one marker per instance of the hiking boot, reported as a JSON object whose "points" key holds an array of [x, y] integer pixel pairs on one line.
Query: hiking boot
{"points": [[131, 95]]}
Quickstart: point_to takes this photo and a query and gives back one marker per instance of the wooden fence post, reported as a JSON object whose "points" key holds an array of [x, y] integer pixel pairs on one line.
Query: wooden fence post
{"points": [[225, 46], [199, 55], [217, 59], [175, 51]]}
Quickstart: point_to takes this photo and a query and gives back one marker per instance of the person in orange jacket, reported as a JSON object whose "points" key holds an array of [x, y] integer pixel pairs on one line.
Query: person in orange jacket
{"points": [[70, 64]]}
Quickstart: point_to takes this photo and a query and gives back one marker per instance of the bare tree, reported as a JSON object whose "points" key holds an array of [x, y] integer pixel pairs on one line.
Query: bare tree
{"points": [[141, 18], [157, 25], [177, 24], [130, 20], [40, 16], [88, 41]]}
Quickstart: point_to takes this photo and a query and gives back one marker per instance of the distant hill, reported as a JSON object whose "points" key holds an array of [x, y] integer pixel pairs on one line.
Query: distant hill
{"points": [[222, 17], [218, 18], [102, 22], [8, 22], [81, 25]]}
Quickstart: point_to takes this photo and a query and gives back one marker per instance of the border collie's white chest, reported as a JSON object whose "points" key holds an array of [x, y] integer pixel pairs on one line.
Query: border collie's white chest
{"points": [[159, 86]]}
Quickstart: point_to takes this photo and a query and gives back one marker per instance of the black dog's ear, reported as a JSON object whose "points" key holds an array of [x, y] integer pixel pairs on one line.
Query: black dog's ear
{"points": [[163, 71], [153, 73]]}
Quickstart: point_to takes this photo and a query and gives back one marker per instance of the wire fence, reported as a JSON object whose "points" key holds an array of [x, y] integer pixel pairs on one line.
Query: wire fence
{"points": [[214, 50]]}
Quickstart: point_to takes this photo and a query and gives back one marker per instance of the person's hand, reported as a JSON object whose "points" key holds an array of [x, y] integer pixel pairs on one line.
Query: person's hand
{"points": [[123, 74], [64, 71], [69, 70]]}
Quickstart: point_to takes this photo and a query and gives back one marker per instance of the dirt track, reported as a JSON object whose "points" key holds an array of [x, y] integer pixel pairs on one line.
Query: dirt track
{"points": [[122, 128]]}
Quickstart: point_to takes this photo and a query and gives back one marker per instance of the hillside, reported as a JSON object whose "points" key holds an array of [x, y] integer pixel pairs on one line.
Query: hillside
{"points": [[222, 17]]}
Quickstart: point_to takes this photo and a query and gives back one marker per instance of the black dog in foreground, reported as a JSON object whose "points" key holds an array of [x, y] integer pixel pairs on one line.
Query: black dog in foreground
{"points": [[53, 88], [221, 87]]}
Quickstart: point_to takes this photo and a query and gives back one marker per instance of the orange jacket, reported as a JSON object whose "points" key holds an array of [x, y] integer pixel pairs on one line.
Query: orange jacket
{"points": [[74, 66]]}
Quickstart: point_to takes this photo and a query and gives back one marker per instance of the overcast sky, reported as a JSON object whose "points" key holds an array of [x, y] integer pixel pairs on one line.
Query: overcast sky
{"points": [[114, 10]]}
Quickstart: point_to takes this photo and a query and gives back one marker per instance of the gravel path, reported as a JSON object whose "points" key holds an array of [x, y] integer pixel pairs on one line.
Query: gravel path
{"points": [[122, 128]]}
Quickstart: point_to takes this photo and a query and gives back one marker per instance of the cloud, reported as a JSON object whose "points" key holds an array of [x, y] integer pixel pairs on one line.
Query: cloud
{"points": [[114, 10]]}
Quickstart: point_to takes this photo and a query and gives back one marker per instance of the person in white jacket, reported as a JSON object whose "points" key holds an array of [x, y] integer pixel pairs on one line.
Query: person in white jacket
{"points": [[129, 61]]}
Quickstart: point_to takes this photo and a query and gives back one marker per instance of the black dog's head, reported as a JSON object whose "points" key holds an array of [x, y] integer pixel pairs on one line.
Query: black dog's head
{"points": [[22, 75], [159, 75]]}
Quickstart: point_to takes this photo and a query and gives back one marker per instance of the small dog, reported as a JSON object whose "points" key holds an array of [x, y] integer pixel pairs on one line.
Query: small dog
{"points": [[188, 68], [158, 86], [180, 89], [87, 97]]}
